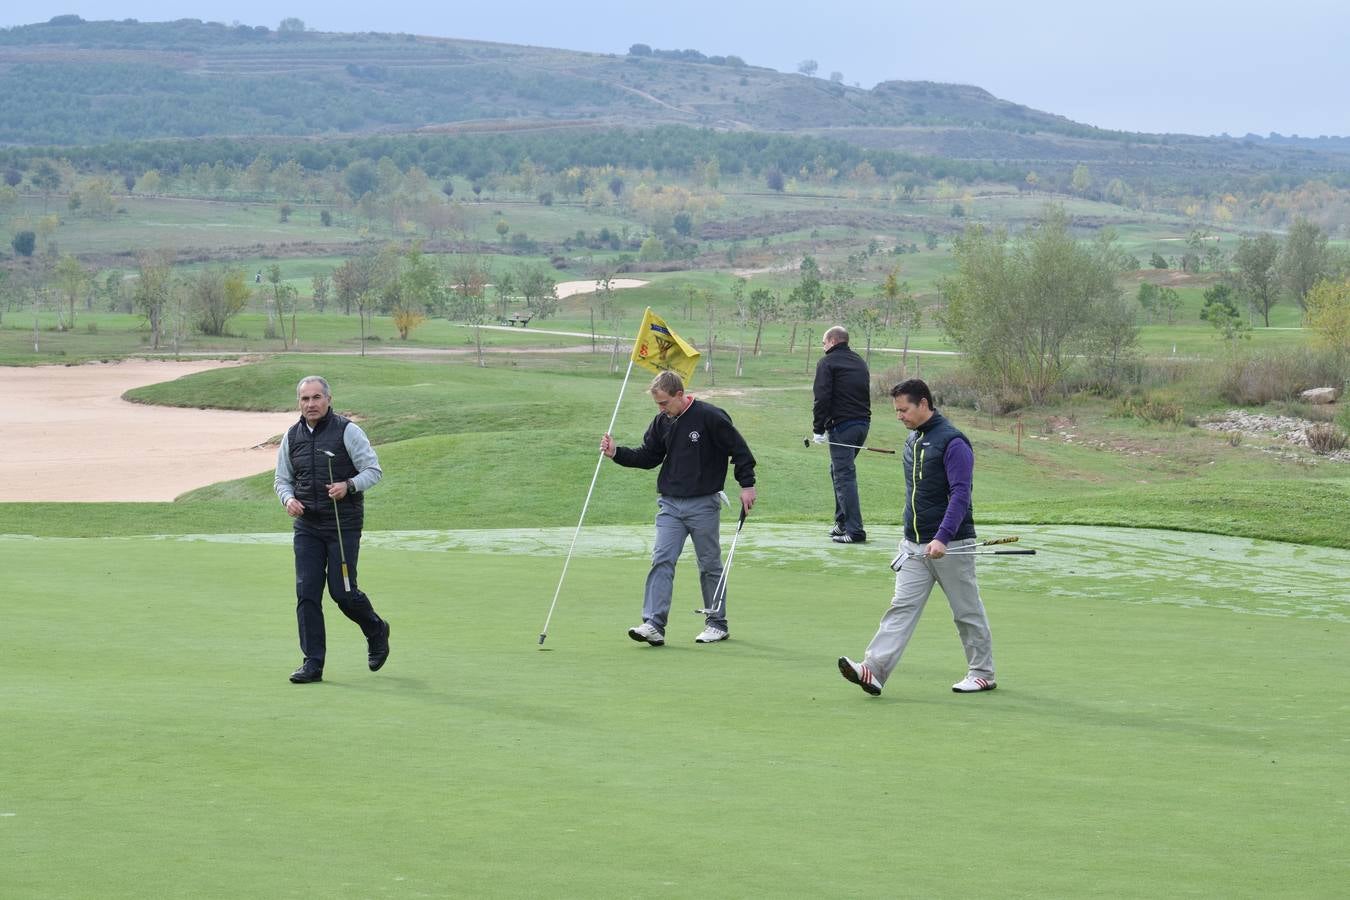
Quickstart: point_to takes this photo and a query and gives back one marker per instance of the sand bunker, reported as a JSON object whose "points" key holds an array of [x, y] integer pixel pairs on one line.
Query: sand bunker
{"points": [[72, 438]]}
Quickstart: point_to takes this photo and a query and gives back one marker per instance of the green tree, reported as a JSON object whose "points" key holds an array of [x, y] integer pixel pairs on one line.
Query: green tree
{"points": [[1257, 280], [1328, 315], [539, 290], [281, 301], [24, 243], [1019, 311], [764, 306], [1304, 260], [1221, 312], [806, 300], [1081, 179], [216, 295], [153, 269], [71, 279], [320, 286]]}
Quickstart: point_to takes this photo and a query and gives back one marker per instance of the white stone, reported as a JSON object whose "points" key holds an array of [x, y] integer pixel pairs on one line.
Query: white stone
{"points": [[1320, 395]]}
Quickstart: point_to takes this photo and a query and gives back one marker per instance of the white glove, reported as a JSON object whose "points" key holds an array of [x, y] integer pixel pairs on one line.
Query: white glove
{"points": [[819, 439]]}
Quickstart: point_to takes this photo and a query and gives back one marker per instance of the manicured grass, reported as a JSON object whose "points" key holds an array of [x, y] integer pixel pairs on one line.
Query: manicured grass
{"points": [[1152, 734]]}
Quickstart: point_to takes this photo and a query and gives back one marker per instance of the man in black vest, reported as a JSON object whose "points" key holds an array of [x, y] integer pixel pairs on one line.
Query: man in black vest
{"points": [[939, 465], [843, 410], [328, 513]]}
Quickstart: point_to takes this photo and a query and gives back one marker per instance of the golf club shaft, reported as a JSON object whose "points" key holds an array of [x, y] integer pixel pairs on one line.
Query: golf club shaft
{"points": [[720, 589], [337, 517], [808, 442]]}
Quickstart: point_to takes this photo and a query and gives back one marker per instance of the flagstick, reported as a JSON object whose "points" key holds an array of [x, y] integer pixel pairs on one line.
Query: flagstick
{"points": [[543, 635]]}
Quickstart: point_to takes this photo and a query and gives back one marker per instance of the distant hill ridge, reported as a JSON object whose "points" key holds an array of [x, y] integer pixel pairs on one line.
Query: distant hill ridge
{"points": [[70, 82]]}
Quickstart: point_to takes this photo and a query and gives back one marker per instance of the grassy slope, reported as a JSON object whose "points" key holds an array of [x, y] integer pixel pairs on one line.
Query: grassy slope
{"points": [[514, 446]]}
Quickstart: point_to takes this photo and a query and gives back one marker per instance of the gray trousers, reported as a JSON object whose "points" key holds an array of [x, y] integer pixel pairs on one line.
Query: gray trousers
{"points": [[913, 583], [676, 519]]}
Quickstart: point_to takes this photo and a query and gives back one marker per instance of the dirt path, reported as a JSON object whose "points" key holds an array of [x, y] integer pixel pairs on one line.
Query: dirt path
{"points": [[71, 437]]}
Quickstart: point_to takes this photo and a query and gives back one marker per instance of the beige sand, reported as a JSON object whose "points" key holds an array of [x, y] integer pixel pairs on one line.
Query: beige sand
{"points": [[70, 437]]}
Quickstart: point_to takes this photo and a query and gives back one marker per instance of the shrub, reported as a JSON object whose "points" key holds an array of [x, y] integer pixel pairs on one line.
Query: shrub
{"points": [[1326, 439], [1260, 378], [1149, 409]]}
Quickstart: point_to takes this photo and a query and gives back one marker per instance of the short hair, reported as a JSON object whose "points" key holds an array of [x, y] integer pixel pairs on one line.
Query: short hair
{"points": [[319, 379], [667, 382], [839, 333], [915, 389]]}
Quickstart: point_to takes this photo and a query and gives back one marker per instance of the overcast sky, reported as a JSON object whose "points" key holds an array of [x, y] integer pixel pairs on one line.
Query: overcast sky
{"points": [[1192, 66]]}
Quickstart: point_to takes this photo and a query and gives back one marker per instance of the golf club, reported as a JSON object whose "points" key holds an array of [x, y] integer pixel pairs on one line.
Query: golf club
{"points": [[807, 442], [720, 589], [973, 550], [342, 551]]}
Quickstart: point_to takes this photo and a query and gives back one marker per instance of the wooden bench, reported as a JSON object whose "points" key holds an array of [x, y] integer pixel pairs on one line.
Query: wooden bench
{"points": [[521, 319]]}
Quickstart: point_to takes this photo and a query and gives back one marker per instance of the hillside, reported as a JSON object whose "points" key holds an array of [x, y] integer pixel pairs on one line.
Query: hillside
{"points": [[70, 84]]}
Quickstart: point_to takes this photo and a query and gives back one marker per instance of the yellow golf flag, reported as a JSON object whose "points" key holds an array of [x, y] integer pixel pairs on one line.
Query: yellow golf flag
{"points": [[658, 348]]}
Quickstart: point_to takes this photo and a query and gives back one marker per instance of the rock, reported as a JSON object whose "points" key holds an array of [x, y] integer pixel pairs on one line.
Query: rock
{"points": [[1320, 395]]}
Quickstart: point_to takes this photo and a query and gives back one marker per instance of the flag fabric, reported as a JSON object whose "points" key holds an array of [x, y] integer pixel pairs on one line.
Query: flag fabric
{"points": [[658, 348]]}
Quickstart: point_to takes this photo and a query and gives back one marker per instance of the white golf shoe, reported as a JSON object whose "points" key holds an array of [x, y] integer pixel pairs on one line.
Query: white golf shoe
{"points": [[973, 684], [647, 632], [859, 674], [711, 635]]}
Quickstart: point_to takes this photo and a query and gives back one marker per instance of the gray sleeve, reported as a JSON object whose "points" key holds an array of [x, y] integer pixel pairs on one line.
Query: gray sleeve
{"points": [[368, 472], [284, 481]]}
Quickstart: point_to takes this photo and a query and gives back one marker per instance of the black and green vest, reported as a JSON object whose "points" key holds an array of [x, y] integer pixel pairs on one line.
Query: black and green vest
{"points": [[926, 487]]}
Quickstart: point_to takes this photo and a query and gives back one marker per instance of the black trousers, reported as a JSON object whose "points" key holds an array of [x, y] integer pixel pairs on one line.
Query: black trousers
{"points": [[318, 561]]}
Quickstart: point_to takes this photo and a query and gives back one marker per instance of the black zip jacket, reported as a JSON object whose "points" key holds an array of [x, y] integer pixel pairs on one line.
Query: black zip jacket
{"points": [[692, 451]]}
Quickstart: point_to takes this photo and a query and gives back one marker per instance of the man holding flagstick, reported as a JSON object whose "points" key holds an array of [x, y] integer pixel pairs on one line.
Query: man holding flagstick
{"points": [[691, 441]]}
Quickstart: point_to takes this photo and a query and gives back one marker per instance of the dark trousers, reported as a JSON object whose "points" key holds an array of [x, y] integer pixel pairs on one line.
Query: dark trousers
{"points": [[844, 475], [318, 561]]}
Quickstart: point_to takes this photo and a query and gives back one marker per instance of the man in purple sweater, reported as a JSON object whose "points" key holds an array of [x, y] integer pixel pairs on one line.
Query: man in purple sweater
{"points": [[939, 465]]}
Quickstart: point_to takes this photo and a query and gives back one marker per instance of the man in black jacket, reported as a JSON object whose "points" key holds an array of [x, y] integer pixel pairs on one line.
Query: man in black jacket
{"points": [[328, 518], [691, 441], [843, 410]]}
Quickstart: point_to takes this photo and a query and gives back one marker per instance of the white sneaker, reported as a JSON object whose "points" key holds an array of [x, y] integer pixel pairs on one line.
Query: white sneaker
{"points": [[647, 632], [711, 635], [859, 674], [972, 684]]}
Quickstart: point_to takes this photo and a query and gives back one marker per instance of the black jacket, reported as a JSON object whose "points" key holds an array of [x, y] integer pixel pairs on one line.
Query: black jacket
{"points": [[843, 389], [692, 451]]}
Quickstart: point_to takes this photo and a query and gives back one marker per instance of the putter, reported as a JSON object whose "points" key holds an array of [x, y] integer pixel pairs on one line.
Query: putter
{"points": [[342, 551], [720, 589], [807, 442]]}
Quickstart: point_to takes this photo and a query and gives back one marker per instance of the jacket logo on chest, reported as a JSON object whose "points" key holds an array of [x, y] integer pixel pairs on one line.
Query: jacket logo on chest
{"points": [[694, 436]]}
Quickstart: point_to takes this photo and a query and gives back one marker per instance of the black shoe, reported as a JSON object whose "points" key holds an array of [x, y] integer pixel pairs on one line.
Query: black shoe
{"points": [[837, 531], [377, 648], [306, 675], [849, 539]]}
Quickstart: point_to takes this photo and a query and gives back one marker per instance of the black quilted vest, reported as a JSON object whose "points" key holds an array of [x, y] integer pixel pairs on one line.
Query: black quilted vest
{"points": [[310, 467], [926, 488]]}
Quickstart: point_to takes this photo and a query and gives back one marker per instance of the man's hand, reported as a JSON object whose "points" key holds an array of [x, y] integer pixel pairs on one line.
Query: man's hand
{"points": [[294, 508], [747, 498], [337, 490], [819, 439], [935, 550], [607, 446]]}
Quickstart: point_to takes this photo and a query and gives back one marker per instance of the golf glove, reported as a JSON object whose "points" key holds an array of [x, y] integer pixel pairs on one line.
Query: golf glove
{"points": [[819, 439]]}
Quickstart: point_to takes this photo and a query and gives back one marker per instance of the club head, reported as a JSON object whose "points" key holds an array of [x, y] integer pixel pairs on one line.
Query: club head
{"points": [[328, 453], [899, 560], [806, 442]]}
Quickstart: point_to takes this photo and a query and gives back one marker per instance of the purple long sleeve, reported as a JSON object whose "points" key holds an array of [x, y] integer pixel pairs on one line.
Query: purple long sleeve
{"points": [[959, 461]]}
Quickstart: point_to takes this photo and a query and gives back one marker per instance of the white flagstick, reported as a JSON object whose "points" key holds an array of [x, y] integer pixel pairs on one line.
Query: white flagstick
{"points": [[599, 462]]}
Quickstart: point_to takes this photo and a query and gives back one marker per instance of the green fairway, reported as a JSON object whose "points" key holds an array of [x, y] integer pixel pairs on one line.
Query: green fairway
{"points": [[1162, 725]]}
